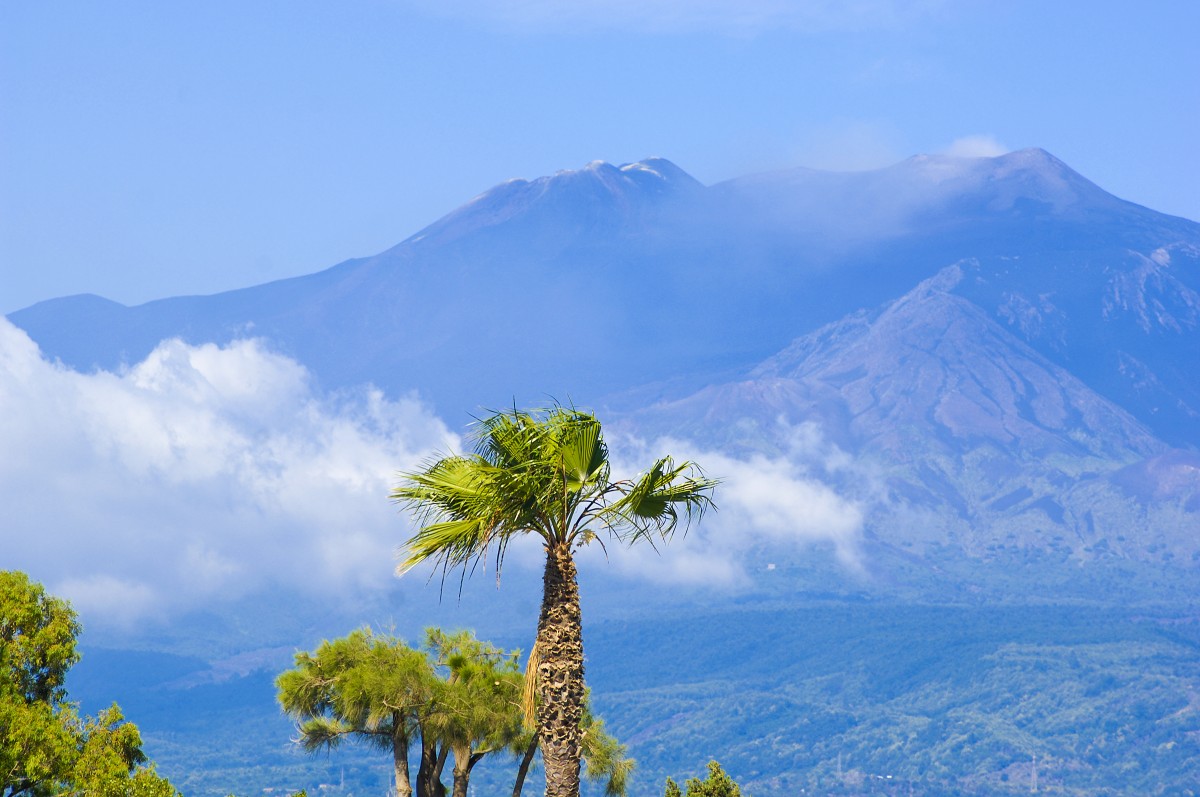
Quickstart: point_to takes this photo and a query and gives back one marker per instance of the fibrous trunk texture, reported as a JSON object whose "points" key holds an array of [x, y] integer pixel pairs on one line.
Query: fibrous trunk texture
{"points": [[560, 674]]}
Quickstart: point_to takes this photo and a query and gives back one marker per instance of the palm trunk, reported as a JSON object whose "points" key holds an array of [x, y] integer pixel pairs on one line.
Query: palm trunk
{"points": [[400, 757], [560, 674]]}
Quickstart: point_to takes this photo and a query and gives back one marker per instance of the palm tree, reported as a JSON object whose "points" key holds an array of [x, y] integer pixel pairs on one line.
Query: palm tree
{"points": [[546, 473]]}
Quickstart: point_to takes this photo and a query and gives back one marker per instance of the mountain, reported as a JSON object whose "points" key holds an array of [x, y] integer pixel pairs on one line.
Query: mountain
{"points": [[614, 277], [963, 441], [1005, 351]]}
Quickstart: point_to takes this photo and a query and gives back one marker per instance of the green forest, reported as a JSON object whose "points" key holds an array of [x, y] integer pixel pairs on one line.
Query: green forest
{"points": [[945, 699]]}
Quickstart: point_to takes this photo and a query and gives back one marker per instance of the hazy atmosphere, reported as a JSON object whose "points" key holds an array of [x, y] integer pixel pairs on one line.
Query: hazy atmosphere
{"points": [[151, 149]]}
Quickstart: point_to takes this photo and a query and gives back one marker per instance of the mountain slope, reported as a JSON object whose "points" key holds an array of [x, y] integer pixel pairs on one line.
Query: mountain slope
{"points": [[610, 277], [992, 358], [958, 439], [1003, 352]]}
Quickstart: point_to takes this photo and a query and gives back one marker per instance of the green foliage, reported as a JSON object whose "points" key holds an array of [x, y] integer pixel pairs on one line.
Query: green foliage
{"points": [[606, 761], [478, 692], [363, 685], [45, 747], [457, 691], [457, 694], [110, 759], [943, 700], [716, 784], [37, 746], [547, 473], [37, 641]]}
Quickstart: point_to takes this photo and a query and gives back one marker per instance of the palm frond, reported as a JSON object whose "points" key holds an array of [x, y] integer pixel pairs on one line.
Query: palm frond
{"points": [[452, 542], [506, 439], [450, 486], [581, 451], [659, 500]]}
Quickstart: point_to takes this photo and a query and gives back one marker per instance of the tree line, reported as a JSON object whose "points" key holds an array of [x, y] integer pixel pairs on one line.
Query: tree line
{"points": [[46, 747]]}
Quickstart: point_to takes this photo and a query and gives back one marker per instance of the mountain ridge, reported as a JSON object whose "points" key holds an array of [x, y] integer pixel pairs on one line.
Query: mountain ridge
{"points": [[1048, 331], [715, 284], [946, 414]]}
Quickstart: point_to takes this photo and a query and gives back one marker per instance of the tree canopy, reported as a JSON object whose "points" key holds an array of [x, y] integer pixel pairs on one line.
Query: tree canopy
{"points": [[456, 698], [542, 472], [715, 784], [46, 748]]}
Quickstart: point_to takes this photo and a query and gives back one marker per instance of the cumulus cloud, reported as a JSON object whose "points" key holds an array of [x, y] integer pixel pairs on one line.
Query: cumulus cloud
{"points": [[734, 17], [976, 146], [776, 503], [202, 474]]}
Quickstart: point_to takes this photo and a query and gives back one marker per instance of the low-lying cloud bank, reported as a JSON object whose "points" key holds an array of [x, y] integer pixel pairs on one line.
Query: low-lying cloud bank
{"points": [[201, 474], [779, 503], [206, 474]]}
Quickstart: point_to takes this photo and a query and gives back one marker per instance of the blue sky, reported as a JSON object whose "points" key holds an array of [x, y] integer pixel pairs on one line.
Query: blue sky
{"points": [[150, 149]]}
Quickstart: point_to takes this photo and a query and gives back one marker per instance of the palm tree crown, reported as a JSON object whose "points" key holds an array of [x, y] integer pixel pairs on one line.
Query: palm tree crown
{"points": [[545, 473]]}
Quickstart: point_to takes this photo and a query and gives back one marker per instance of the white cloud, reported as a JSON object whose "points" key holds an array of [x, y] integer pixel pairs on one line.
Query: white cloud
{"points": [[772, 502], [202, 474], [207, 474], [118, 601], [732, 17], [976, 146]]}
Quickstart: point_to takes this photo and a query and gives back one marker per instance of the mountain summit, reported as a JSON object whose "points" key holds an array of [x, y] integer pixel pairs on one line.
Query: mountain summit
{"points": [[599, 197]]}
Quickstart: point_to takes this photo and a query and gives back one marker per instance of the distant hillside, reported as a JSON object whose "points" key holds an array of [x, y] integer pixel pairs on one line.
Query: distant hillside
{"points": [[964, 437], [852, 698]]}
